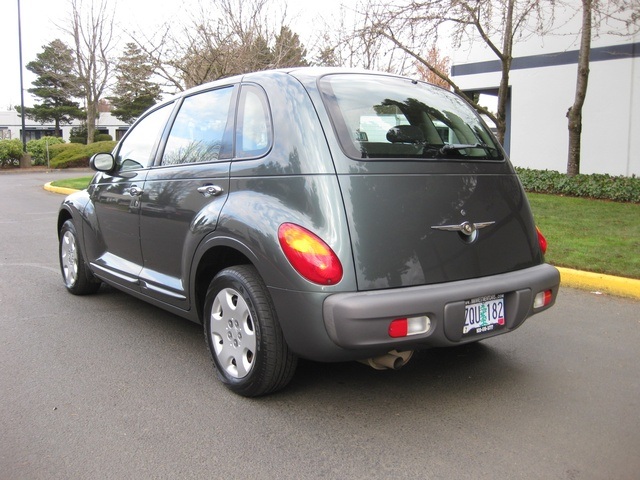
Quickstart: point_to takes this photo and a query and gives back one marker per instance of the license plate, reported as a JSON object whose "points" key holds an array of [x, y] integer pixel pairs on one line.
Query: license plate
{"points": [[483, 314]]}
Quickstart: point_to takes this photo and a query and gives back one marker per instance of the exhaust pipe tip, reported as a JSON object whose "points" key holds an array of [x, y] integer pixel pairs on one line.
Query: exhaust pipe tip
{"points": [[393, 360]]}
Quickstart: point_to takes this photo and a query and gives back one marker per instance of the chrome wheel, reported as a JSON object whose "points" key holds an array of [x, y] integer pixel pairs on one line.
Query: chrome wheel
{"points": [[233, 333], [69, 259]]}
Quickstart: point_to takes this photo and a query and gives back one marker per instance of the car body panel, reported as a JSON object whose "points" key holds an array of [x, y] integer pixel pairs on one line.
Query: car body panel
{"points": [[174, 218], [256, 208], [114, 239], [392, 220]]}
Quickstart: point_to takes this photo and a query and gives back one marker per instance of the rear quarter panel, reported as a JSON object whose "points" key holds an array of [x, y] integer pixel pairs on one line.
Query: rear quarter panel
{"points": [[295, 182]]}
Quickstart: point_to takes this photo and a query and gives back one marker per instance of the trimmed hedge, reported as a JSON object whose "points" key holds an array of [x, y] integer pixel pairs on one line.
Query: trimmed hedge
{"points": [[78, 155], [599, 186], [55, 150], [102, 137], [79, 135]]}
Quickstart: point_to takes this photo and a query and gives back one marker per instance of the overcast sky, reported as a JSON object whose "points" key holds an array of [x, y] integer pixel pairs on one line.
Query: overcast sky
{"points": [[40, 17]]}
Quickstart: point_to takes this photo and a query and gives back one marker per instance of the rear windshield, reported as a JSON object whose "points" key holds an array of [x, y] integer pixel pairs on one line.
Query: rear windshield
{"points": [[378, 117]]}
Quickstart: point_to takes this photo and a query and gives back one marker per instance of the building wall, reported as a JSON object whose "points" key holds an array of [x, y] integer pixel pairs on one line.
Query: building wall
{"points": [[543, 83], [11, 127]]}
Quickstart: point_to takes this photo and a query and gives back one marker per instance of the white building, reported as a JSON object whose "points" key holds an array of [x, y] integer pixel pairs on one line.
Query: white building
{"points": [[11, 127], [542, 88]]}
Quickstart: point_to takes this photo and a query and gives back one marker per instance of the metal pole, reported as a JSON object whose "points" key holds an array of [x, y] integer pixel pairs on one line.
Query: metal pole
{"points": [[22, 113]]}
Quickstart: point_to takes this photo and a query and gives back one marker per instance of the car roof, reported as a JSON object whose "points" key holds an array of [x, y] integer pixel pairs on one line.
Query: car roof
{"points": [[301, 73]]}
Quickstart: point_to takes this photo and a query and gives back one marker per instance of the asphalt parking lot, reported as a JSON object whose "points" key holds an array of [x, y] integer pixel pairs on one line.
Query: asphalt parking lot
{"points": [[109, 387]]}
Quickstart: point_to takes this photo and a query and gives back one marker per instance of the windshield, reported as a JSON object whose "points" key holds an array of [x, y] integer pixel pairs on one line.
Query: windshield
{"points": [[378, 117]]}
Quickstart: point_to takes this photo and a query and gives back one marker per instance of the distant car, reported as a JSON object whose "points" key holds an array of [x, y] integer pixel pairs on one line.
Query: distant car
{"points": [[331, 215]]}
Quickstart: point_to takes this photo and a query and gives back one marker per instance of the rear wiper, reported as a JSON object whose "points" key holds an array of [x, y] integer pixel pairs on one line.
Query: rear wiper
{"points": [[454, 147]]}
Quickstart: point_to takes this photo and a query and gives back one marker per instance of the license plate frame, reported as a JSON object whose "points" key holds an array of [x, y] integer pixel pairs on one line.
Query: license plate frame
{"points": [[483, 315]]}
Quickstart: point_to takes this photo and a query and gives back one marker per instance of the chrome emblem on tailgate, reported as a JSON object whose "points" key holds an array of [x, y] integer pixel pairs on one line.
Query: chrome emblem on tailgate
{"points": [[466, 228]]}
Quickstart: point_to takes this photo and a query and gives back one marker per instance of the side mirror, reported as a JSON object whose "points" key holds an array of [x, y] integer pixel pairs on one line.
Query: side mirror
{"points": [[103, 162]]}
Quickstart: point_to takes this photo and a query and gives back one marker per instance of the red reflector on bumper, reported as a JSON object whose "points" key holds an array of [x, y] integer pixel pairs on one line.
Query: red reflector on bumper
{"points": [[398, 328]]}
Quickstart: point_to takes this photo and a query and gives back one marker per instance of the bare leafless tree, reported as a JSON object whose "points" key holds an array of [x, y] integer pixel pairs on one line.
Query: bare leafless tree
{"points": [[224, 38], [350, 39], [441, 63], [91, 27], [498, 24], [623, 16], [574, 114]]}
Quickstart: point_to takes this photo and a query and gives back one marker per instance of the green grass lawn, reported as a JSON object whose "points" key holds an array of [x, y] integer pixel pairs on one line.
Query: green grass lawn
{"points": [[77, 183], [593, 235]]}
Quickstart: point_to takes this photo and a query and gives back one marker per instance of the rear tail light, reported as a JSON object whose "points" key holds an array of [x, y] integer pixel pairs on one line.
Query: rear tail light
{"points": [[542, 241], [542, 299], [309, 255], [403, 327]]}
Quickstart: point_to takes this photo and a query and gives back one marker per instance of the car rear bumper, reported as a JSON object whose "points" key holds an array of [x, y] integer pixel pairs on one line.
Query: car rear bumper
{"points": [[360, 320]]}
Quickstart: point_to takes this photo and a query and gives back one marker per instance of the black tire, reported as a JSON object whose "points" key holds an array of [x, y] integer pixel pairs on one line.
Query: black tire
{"points": [[75, 273], [243, 335]]}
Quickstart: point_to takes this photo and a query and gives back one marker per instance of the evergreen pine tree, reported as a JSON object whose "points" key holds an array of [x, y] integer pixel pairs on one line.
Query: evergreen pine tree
{"points": [[56, 86], [288, 51], [134, 91]]}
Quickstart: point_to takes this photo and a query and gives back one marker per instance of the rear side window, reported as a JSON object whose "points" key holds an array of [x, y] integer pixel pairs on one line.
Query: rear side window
{"points": [[200, 131], [253, 133], [378, 117]]}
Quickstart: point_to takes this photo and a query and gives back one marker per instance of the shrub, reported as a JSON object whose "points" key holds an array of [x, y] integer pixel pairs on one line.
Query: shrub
{"points": [[76, 155], [66, 157], [600, 186], [78, 135], [102, 137], [100, 147], [38, 149], [55, 150], [10, 152]]}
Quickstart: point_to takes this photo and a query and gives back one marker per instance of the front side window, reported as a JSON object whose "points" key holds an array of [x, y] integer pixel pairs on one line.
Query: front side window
{"points": [[139, 146], [377, 117], [200, 130]]}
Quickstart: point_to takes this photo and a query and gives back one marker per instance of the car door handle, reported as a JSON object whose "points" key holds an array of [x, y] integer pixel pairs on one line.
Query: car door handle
{"points": [[134, 191], [210, 190]]}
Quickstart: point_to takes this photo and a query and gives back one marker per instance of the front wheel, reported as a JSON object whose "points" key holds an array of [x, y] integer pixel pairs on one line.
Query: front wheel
{"points": [[243, 334], [75, 273]]}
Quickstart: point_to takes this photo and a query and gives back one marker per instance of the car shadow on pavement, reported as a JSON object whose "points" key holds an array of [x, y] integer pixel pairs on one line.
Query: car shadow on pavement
{"points": [[465, 370]]}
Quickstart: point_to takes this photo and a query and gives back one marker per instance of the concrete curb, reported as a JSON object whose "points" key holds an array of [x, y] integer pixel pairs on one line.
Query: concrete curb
{"points": [[619, 286], [62, 190]]}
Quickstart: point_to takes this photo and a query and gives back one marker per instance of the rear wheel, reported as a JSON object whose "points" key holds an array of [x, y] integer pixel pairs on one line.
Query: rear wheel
{"points": [[243, 334], [75, 273]]}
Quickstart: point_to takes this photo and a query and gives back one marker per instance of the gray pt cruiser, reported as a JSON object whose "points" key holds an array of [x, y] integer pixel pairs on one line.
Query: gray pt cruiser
{"points": [[331, 215]]}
